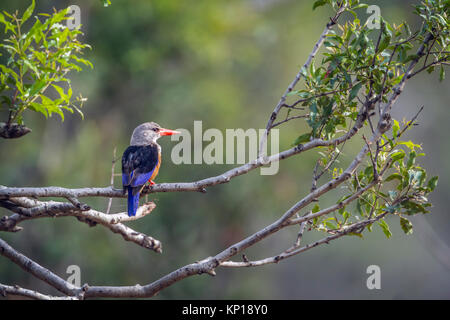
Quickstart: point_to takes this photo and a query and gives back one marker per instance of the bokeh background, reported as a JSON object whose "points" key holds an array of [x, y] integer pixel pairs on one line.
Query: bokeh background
{"points": [[225, 63]]}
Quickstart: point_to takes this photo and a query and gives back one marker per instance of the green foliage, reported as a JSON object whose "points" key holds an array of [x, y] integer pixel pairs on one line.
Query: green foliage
{"points": [[360, 60], [338, 3], [38, 61], [362, 64], [106, 3], [404, 192]]}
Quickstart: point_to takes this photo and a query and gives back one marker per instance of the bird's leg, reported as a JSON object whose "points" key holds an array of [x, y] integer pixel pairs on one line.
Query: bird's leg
{"points": [[151, 184]]}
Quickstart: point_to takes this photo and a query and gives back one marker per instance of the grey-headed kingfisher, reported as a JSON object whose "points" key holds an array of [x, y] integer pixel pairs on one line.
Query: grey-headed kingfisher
{"points": [[141, 161]]}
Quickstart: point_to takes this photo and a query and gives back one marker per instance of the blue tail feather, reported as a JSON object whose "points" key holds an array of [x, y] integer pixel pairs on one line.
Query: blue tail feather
{"points": [[133, 202]]}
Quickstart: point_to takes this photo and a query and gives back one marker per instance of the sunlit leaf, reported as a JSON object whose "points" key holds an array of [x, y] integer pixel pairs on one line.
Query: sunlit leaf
{"points": [[406, 225], [28, 12], [385, 227]]}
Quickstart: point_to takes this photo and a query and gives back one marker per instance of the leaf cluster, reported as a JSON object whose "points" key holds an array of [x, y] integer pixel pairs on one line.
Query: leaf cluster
{"points": [[37, 61]]}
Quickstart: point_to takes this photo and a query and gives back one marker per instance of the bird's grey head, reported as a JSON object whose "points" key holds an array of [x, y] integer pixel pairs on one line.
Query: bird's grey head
{"points": [[147, 133]]}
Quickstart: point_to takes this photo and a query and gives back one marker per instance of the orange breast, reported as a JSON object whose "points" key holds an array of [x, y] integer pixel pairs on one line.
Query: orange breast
{"points": [[155, 172]]}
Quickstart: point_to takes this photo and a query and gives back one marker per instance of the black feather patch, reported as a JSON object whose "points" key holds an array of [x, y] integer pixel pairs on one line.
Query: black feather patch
{"points": [[137, 163]]}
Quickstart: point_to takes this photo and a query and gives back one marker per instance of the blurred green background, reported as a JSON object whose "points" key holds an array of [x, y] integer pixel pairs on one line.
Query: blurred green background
{"points": [[225, 63]]}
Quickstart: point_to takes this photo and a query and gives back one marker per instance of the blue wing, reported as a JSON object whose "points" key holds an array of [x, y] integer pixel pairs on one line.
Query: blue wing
{"points": [[136, 180], [138, 165], [126, 178]]}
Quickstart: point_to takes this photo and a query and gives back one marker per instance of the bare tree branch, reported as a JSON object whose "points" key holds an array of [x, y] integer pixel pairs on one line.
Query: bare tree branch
{"points": [[293, 251], [13, 130], [37, 270], [198, 186], [108, 210], [18, 291], [28, 209]]}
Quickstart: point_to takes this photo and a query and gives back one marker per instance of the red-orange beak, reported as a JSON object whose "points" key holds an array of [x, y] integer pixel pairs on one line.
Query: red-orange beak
{"points": [[167, 132]]}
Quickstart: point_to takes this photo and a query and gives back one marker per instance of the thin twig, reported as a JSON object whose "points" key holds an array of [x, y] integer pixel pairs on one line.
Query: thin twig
{"points": [[297, 78], [108, 210], [288, 119]]}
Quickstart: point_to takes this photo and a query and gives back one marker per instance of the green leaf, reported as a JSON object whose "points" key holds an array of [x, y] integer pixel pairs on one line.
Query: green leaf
{"points": [[384, 43], [61, 93], [83, 61], [411, 207], [361, 5], [354, 91], [51, 106], [347, 77], [40, 56], [359, 207], [316, 208], [395, 176], [9, 71], [35, 31], [37, 107], [411, 145], [395, 129], [442, 74], [345, 216], [398, 155], [27, 14], [355, 234], [432, 183], [385, 227], [302, 139], [319, 3], [8, 25], [406, 225], [37, 87], [30, 65], [412, 159], [330, 225]]}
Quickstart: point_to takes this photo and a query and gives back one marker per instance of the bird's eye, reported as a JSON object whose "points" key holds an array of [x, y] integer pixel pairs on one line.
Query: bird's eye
{"points": [[155, 129]]}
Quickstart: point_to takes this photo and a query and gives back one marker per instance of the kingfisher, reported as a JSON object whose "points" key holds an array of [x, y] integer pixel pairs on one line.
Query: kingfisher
{"points": [[141, 161]]}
